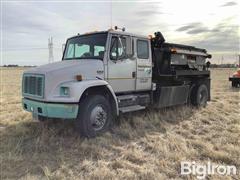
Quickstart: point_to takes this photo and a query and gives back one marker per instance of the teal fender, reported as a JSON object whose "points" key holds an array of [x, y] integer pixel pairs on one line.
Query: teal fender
{"points": [[77, 89], [66, 107]]}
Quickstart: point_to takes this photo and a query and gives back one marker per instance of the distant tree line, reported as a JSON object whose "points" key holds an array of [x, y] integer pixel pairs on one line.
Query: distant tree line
{"points": [[223, 65], [211, 65], [11, 65], [16, 65]]}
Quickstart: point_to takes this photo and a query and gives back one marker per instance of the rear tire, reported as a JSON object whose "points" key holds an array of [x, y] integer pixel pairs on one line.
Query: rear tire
{"points": [[234, 84], [199, 96], [94, 116]]}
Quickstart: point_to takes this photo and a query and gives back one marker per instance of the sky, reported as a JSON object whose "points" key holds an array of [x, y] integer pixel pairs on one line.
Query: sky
{"points": [[27, 25]]}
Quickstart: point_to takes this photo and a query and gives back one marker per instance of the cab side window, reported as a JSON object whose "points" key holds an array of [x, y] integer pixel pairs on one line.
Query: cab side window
{"points": [[142, 49], [118, 48], [113, 48]]}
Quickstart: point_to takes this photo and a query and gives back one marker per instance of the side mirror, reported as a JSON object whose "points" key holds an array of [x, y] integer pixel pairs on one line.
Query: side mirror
{"points": [[129, 50]]}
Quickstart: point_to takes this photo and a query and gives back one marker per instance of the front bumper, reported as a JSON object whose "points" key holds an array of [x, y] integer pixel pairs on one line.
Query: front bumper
{"points": [[51, 110]]}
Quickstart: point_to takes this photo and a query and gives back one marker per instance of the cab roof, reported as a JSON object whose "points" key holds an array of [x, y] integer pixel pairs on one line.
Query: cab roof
{"points": [[113, 32]]}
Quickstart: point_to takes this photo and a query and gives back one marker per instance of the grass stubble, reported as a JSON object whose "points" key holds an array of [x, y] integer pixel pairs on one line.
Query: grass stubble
{"points": [[143, 145]]}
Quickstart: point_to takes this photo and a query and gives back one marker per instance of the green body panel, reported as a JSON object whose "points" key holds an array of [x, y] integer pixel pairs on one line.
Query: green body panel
{"points": [[51, 110]]}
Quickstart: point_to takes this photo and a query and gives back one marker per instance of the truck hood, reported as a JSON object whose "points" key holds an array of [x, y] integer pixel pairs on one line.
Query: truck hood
{"points": [[61, 72], [86, 67]]}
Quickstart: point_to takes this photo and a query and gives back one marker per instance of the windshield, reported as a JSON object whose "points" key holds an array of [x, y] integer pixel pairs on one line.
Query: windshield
{"points": [[86, 47]]}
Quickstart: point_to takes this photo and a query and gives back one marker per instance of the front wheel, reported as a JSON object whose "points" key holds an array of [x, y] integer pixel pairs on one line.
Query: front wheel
{"points": [[94, 116]]}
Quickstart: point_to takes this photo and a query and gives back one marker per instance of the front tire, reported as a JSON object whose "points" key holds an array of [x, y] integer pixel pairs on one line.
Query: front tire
{"points": [[94, 116]]}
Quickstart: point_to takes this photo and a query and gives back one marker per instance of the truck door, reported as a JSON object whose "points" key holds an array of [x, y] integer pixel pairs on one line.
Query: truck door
{"points": [[121, 68], [144, 64]]}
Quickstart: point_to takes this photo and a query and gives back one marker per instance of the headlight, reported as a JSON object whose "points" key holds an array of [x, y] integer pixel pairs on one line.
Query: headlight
{"points": [[64, 91]]}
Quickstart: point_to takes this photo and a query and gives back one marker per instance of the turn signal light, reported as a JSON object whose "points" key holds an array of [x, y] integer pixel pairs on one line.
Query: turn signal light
{"points": [[174, 50], [79, 77]]}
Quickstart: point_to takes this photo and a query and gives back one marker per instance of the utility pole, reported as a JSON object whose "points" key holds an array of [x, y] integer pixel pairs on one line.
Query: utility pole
{"points": [[50, 48]]}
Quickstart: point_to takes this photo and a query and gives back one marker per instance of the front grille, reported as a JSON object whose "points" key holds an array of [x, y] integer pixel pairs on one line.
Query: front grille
{"points": [[33, 85]]}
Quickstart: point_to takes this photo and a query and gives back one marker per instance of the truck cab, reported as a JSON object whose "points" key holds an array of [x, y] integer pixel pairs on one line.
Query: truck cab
{"points": [[103, 74]]}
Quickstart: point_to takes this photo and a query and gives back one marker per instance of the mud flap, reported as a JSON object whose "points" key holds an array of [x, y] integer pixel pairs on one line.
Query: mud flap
{"points": [[172, 95]]}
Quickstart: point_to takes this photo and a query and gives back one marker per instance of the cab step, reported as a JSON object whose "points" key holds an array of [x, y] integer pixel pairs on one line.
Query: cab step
{"points": [[131, 108], [135, 101]]}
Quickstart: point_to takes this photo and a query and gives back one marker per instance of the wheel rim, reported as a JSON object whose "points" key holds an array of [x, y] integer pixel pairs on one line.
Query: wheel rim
{"points": [[98, 117]]}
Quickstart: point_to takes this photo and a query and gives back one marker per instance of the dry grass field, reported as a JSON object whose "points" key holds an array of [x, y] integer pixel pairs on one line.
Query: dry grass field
{"points": [[144, 145]]}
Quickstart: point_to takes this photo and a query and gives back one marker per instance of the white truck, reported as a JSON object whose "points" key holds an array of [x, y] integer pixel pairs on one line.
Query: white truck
{"points": [[103, 74]]}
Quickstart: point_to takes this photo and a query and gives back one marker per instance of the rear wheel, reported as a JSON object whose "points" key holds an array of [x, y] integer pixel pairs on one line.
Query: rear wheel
{"points": [[199, 96], [94, 116], [234, 83]]}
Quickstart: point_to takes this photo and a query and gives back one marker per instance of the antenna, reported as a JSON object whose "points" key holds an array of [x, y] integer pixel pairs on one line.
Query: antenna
{"points": [[111, 13], [50, 48]]}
